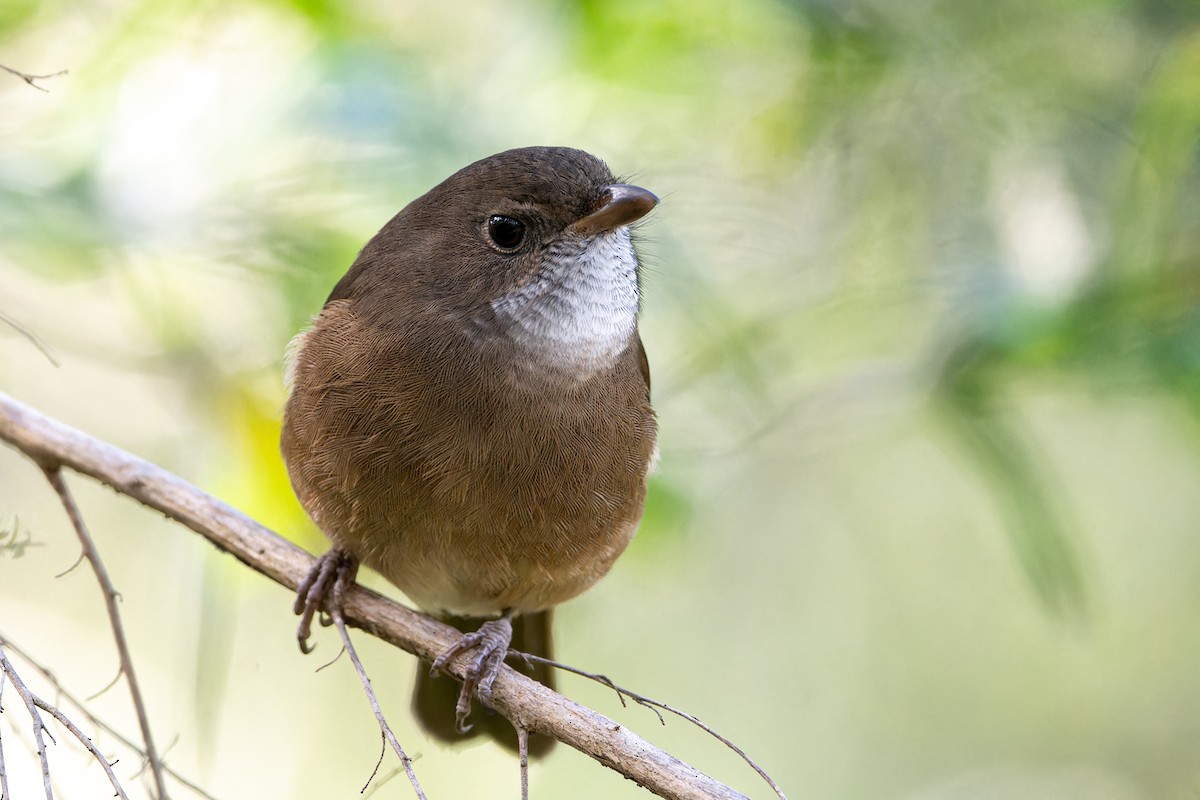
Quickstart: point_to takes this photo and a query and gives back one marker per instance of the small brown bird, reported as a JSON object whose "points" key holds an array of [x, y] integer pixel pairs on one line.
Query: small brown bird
{"points": [[470, 412]]}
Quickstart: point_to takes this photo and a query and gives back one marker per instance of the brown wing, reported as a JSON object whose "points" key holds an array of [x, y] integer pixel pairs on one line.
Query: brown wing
{"points": [[644, 363]]}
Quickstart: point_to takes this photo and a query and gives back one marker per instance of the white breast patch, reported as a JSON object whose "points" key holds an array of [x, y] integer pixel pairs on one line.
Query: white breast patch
{"points": [[581, 310]]}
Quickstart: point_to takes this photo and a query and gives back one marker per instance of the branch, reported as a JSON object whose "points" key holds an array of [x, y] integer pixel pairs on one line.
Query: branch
{"points": [[55, 476], [384, 728], [33, 338], [32, 703], [527, 703], [653, 705], [4, 792], [61, 693], [32, 79], [85, 741], [39, 726]]}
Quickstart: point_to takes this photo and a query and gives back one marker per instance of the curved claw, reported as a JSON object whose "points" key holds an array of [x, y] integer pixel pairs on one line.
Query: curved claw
{"points": [[464, 643], [491, 668], [325, 584], [491, 641]]}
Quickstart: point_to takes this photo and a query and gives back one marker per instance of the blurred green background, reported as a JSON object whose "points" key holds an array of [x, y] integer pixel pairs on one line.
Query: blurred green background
{"points": [[922, 304]]}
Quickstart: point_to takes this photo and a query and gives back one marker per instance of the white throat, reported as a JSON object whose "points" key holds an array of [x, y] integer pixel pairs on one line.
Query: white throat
{"points": [[581, 310]]}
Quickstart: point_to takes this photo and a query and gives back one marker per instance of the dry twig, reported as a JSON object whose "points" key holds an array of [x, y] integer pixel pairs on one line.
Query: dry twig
{"points": [[61, 693], [38, 725], [527, 703], [33, 338], [85, 741], [54, 475], [4, 792], [523, 754], [340, 622], [32, 704], [31, 79], [653, 705]]}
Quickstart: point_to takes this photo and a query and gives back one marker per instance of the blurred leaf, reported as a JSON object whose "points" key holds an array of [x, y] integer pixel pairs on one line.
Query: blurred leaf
{"points": [[971, 407]]}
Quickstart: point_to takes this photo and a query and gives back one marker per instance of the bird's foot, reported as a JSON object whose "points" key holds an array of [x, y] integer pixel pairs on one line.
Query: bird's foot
{"points": [[491, 645], [322, 590]]}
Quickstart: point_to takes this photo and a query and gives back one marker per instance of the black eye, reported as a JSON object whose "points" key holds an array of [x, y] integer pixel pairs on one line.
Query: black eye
{"points": [[505, 232]]}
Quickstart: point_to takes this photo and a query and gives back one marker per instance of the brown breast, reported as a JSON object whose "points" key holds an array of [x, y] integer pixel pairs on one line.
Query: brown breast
{"points": [[472, 479]]}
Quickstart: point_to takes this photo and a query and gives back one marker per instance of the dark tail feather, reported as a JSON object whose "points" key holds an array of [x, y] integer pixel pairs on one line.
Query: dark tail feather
{"points": [[434, 698]]}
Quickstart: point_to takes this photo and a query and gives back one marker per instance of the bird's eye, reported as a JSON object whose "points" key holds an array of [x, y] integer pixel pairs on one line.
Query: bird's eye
{"points": [[505, 232]]}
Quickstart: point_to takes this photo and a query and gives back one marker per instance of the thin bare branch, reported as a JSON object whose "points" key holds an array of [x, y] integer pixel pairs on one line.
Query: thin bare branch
{"points": [[31, 79], [340, 622], [106, 686], [55, 476], [375, 786], [523, 757], [383, 746], [62, 693], [71, 569], [5, 794], [85, 741], [653, 705], [33, 338], [38, 726], [525, 702], [62, 719]]}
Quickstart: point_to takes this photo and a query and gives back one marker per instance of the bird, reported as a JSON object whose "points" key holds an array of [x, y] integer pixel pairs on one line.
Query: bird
{"points": [[469, 414]]}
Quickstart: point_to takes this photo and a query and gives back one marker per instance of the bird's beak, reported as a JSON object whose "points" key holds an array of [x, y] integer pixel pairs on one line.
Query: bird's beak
{"points": [[619, 204]]}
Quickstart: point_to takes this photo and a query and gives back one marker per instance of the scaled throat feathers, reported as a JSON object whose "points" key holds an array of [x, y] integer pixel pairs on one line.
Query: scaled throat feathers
{"points": [[580, 312]]}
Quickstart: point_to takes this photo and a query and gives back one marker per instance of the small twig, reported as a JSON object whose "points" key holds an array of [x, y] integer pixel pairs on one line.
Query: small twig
{"points": [[12, 323], [162, 757], [54, 475], [523, 752], [104, 688], [31, 701], [100, 724], [383, 746], [30, 79], [379, 784], [4, 793], [653, 704], [529, 659], [38, 726], [85, 741], [71, 569], [340, 622], [331, 661]]}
